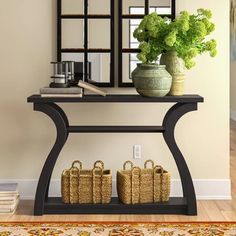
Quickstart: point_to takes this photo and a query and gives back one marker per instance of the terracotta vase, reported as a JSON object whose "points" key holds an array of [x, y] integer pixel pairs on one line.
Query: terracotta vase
{"points": [[176, 67], [151, 80]]}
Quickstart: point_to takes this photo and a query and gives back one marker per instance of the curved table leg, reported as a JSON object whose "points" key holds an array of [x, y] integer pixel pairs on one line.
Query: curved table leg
{"points": [[170, 120], [63, 115], [61, 122]]}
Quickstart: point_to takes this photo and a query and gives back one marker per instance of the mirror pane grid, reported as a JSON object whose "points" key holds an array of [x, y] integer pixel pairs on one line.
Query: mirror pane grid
{"points": [[89, 29]]}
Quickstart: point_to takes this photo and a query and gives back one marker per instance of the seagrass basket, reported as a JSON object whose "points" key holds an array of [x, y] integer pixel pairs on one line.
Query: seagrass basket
{"points": [[86, 186], [148, 185]]}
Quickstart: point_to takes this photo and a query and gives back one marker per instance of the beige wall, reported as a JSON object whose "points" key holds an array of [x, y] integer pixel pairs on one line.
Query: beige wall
{"points": [[28, 44]]}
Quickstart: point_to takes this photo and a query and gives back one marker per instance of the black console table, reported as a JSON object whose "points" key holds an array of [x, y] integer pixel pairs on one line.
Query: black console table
{"points": [[176, 205]]}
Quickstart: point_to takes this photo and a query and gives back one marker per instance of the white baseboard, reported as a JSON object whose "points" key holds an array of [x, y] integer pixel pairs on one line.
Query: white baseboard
{"points": [[206, 189], [233, 115]]}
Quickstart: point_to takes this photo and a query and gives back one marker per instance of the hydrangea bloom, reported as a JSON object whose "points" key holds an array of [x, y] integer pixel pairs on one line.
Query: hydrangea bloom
{"points": [[186, 35]]}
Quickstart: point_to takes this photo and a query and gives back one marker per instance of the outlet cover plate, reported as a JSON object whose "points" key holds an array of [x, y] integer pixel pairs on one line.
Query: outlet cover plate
{"points": [[137, 151]]}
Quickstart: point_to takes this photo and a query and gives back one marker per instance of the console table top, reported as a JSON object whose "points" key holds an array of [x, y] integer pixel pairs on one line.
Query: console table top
{"points": [[117, 98]]}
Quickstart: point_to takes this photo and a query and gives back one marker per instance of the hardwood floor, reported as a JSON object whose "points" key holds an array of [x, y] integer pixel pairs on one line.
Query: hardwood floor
{"points": [[207, 210]]}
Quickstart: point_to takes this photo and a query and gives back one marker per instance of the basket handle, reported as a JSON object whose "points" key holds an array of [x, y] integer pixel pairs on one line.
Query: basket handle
{"points": [[75, 162], [100, 163], [97, 168], [148, 161], [94, 169], [135, 168], [159, 168], [128, 162]]}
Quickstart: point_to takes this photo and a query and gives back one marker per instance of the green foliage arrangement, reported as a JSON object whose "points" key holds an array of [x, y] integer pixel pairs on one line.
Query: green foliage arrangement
{"points": [[186, 35]]}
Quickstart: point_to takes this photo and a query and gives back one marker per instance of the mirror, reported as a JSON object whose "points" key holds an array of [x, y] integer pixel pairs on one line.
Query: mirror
{"points": [[129, 64], [72, 7], [98, 68], [101, 39], [129, 25], [130, 17], [100, 71], [86, 34], [129, 4], [98, 7], [71, 36]]}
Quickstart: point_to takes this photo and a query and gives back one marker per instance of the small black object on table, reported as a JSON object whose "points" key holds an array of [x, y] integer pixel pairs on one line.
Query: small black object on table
{"points": [[176, 205]]}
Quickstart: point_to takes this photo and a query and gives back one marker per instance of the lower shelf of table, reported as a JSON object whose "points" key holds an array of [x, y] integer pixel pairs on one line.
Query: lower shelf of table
{"points": [[176, 205]]}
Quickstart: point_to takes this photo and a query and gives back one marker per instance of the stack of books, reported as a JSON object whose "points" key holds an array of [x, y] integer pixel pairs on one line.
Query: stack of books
{"points": [[72, 91], [61, 92], [9, 198]]}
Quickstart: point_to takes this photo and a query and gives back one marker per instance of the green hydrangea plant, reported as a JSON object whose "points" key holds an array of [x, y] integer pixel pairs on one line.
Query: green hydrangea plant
{"points": [[186, 35]]}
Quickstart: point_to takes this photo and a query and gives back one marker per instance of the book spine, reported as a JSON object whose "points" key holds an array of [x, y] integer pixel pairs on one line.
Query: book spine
{"points": [[9, 194], [62, 95], [61, 91], [4, 203], [9, 208]]}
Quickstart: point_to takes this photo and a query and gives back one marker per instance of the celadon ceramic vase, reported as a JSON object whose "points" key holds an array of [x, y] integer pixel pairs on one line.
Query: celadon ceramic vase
{"points": [[176, 67], [151, 80]]}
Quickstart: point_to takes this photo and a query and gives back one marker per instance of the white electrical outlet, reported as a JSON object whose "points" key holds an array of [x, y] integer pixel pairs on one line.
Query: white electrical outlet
{"points": [[137, 152]]}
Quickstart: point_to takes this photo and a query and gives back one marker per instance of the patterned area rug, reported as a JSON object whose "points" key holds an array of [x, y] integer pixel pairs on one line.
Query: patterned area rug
{"points": [[117, 229]]}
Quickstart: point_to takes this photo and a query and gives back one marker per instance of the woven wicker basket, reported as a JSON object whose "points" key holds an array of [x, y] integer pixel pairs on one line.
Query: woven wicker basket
{"points": [[86, 186], [146, 185]]}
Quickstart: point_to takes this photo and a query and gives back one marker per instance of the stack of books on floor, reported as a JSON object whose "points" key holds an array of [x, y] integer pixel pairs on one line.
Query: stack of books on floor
{"points": [[9, 198]]}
